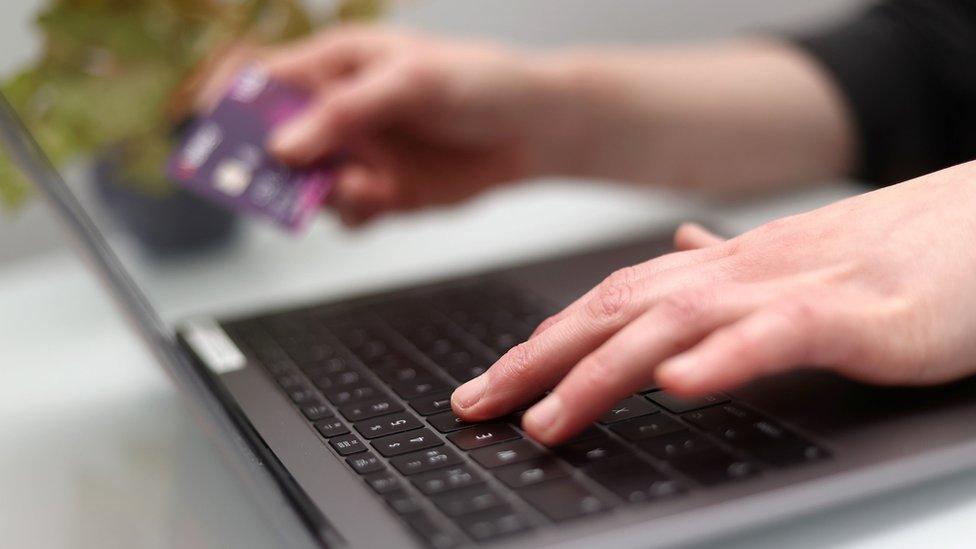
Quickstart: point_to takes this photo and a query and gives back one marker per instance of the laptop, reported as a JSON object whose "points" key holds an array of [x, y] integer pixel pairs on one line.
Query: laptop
{"points": [[336, 415]]}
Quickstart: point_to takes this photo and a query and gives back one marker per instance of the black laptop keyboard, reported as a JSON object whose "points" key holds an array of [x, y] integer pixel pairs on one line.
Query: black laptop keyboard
{"points": [[375, 382]]}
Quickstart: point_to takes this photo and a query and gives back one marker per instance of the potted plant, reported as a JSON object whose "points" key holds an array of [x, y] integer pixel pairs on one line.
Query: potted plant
{"points": [[115, 79]]}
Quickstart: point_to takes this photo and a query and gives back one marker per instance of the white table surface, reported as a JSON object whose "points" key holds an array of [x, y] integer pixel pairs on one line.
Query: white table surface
{"points": [[96, 450]]}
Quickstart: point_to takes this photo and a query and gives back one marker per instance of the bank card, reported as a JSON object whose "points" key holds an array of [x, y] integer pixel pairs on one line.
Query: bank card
{"points": [[222, 155]]}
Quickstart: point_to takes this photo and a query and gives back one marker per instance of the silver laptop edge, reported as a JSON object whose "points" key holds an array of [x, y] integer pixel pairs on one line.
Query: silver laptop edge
{"points": [[206, 407]]}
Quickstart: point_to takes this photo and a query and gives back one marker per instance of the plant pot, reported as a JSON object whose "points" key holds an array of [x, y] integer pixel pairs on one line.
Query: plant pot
{"points": [[173, 222]]}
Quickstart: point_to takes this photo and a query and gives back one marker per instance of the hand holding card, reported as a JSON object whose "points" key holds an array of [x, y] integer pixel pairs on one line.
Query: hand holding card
{"points": [[222, 156]]}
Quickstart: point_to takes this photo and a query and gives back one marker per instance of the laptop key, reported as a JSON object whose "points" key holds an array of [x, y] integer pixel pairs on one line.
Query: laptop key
{"points": [[337, 380], [348, 395], [530, 472], [325, 367], [483, 434], [277, 367], [429, 531], [421, 385], [640, 428], [771, 443], [465, 365], [387, 425], [682, 405], [290, 381], [447, 422], [368, 409], [589, 433], [303, 396], [365, 463], [426, 460], [404, 443], [634, 480], [466, 372], [270, 353], [563, 499], [631, 407], [382, 482], [493, 523], [506, 453], [439, 348], [402, 502], [311, 354], [315, 412], [354, 335], [331, 428], [347, 444], [712, 466], [431, 404], [504, 341], [591, 452], [397, 368], [675, 445], [372, 350], [447, 479], [467, 500], [717, 418]]}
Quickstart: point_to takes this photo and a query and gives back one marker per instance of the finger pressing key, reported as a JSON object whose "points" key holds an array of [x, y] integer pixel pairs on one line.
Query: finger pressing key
{"points": [[626, 362], [530, 368]]}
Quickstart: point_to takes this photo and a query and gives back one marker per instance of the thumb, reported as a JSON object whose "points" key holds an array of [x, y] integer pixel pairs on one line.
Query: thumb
{"points": [[692, 236]]}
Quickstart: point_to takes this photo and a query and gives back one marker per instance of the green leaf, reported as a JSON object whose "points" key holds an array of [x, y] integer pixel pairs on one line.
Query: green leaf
{"points": [[109, 69]]}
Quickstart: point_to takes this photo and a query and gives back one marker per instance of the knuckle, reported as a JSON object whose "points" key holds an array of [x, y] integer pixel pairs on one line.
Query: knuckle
{"points": [[800, 314], [599, 372], [516, 364], [743, 347], [610, 301], [683, 307], [731, 247], [626, 275]]}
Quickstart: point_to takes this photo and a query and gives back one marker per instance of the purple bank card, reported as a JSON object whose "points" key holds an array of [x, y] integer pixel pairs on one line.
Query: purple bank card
{"points": [[223, 158]]}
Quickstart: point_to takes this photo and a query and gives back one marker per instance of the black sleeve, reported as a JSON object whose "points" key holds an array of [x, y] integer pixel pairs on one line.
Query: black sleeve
{"points": [[908, 71]]}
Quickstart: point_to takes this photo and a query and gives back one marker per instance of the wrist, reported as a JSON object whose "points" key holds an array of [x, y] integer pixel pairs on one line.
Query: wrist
{"points": [[565, 116]]}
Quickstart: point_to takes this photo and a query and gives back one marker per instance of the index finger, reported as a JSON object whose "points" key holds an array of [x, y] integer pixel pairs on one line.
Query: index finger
{"points": [[317, 60], [529, 368], [632, 274]]}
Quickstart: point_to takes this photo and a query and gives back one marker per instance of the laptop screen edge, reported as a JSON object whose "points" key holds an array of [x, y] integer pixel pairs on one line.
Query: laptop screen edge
{"points": [[205, 403]]}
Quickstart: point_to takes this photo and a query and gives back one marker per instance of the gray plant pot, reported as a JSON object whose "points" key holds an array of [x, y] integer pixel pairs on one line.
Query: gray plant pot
{"points": [[177, 222]]}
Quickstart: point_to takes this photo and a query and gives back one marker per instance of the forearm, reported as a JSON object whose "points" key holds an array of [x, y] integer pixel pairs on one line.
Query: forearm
{"points": [[733, 117]]}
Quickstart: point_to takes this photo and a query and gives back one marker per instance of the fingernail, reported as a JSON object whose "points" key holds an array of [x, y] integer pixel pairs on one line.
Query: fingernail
{"points": [[543, 415], [470, 393]]}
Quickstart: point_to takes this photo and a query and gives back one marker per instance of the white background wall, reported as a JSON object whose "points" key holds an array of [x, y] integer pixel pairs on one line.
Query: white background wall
{"points": [[535, 22]]}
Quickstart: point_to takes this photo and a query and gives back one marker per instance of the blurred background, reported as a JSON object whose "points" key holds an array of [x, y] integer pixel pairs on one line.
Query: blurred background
{"points": [[28, 230]]}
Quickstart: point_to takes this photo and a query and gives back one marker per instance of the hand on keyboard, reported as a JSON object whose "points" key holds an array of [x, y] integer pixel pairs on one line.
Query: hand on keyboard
{"points": [[877, 287], [374, 377]]}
